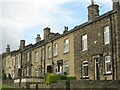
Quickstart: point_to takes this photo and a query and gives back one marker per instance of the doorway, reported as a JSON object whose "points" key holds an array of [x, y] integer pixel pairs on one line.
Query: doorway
{"points": [[97, 69]]}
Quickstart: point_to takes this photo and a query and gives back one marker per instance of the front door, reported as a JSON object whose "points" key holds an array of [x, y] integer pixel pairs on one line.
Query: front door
{"points": [[97, 69], [60, 64]]}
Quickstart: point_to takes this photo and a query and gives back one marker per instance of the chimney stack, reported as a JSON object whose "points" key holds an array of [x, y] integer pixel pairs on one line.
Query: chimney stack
{"points": [[93, 10], [8, 49], [38, 38], [65, 29], [22, 44], [46, 32], [116, 5]]}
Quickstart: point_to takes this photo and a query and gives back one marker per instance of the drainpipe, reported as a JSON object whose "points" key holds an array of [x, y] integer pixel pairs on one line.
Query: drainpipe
{"points": [[52, 59], [20, 70], [112, 47], [41, 62], [44, 58]]}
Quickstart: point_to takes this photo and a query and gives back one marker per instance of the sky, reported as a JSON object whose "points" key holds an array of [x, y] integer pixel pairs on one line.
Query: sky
{"points": [[24, 19]]}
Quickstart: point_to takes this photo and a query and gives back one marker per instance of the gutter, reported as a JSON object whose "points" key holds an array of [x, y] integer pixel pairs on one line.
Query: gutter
{"points": [[112, 47]]}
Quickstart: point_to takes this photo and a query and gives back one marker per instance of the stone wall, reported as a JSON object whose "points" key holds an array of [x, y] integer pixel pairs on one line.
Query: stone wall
{"points": [[95, 85], [81, 85]]}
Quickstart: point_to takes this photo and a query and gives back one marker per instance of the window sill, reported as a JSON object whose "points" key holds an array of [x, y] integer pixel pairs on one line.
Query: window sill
{"points": [[84, 77], [36, 61], [65, 53], [49, 57], [106, 43], [108, 74], [84, 50], [55, 56]]}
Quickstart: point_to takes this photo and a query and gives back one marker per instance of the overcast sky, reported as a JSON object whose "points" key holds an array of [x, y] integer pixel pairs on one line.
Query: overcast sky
{"points": [[24, 19]]}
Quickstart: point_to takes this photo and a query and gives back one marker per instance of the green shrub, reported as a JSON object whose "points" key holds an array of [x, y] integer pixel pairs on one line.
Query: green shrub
{"points": [[71, 78], [52, 78], [4, 76], [57, 78], [62, 77]]}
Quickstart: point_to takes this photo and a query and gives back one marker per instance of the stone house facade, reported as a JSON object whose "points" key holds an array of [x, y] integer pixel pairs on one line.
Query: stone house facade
{"points": [[90, 51], [99, 58]]}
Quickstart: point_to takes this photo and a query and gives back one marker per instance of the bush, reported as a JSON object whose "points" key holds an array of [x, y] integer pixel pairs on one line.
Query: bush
{"points": [[71, 78], [57, 78], [62, 77], [52, 78], [4, 76]]}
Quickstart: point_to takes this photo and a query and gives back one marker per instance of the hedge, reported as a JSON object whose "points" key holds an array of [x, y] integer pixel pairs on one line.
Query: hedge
{"points": [[55, 78]]}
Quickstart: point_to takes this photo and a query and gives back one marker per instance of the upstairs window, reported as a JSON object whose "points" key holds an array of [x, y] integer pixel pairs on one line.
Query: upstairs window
{"points": [[36, 56], [43, 54], [85, 69], [55, 49], [28, 56], [84, 43], [108, 64], [19, 61], [66, 45], [106, 35], [49, 52]]}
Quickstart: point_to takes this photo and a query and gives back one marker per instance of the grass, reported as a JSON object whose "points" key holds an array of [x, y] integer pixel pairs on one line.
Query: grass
{"points": [[6, 87]]}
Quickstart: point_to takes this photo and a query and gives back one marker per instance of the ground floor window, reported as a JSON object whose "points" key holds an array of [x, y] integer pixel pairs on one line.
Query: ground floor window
{"points": [[56, 69], [36, 73], [49, 69], [43, 72], [28, 70], [66, 67], [85, 69], [108, 64], [13, 73]]}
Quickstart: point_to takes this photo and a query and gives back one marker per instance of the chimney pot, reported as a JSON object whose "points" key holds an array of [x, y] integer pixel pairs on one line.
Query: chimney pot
{"points": [[22, 44], [8, 49], [38, 38]]}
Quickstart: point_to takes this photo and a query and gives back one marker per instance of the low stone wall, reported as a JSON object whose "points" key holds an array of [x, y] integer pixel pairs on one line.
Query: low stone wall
{"points": [[8, 82], [58, 86], [94, 85], [78, 85], [43, 86]]}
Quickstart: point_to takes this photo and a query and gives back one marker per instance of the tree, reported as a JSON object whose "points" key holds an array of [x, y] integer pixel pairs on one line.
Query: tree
{"points": [[4, 77]]}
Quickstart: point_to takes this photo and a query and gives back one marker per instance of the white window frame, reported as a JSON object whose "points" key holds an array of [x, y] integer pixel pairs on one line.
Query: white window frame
{"points": [[106, 35], [55, 49], [84, 64], [56, 68], [28, 56], [66, 65], [36, 73], [49, 51], [27, 70], [36, 56], [19, 61], [107, 61], [84, 42], [66, 45]]}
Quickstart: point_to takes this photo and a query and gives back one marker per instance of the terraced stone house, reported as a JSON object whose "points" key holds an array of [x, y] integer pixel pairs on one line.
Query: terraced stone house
{"points": [[90, 51]]}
